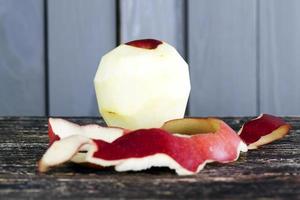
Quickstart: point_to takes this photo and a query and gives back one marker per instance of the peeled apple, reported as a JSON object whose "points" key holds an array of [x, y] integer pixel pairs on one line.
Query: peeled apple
{"points": [[142, 84]]}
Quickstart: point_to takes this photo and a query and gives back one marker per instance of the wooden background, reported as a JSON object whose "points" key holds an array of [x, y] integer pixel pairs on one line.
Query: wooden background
{"points": [[244, 56]]}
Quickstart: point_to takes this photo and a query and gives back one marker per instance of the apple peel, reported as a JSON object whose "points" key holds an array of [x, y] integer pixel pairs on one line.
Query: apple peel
{"points": [[186, 152], [263, 130], [62, 151], [145, 43], [60, 128]]}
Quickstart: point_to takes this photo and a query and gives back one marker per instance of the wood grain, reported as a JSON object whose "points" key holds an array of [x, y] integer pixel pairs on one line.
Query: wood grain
{"points": [[22, 77], [222, 55], [272, 172], [80, 33]]}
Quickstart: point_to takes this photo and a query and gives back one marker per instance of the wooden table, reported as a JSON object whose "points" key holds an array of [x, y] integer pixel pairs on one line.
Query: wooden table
{"points": [[270, 172]]}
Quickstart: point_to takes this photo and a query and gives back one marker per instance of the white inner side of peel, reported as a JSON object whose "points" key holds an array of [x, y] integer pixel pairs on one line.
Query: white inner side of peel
{"points": [[182, 135], [64, 128], [63, 150], [242, 148], [79, 157]]}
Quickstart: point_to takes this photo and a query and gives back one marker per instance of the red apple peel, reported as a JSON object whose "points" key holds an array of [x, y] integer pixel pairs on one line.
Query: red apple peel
{"points": [[61, 128], [145, 43], [263, 130], [51, 134], [144, 148]]}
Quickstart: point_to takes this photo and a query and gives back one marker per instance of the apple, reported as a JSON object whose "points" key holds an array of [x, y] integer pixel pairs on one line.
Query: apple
{"points": [[142, 84]]}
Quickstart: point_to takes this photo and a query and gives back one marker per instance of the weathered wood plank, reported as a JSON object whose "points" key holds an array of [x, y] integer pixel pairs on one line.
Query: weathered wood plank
{"points": [[270, 172], [80, 33], [222, 54], [279, 30], [22, 78], [160, 19]]}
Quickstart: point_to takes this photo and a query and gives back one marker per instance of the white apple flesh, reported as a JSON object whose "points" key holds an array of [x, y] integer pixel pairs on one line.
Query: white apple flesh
{"points": [[142, 84]]}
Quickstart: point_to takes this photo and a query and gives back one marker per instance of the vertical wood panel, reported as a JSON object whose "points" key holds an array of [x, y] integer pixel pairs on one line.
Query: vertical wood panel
{"points": [[160, 19], [22, 57], [80, 32], [222, 52], [280, 56]]}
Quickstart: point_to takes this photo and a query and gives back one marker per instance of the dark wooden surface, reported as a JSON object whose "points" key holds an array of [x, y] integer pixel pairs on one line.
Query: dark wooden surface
{"points": [[270, 172]]}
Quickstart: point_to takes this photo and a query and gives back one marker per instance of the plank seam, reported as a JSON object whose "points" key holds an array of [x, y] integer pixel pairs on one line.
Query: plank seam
{"points": [[118, 22], [257, 41], [186, 43], [46, 61]]}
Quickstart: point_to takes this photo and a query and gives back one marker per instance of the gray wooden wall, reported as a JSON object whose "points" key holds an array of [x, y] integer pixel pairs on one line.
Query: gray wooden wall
{"points": [[244, 56]]}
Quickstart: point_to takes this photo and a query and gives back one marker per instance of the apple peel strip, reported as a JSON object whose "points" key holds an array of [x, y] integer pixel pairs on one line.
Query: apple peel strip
{"points": [[61, 128], [146, 148], [263, 130], [94, 140]]}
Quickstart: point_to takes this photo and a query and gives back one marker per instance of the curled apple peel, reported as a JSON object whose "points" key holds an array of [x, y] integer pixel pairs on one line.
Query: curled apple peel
{"points": [[186, 152], [63, 150], [61, 128], [184, 145], [263, 130]]}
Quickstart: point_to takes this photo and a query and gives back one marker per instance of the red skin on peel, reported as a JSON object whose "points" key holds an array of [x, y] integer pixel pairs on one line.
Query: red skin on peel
{"points": [[52, 136], [202, 140], [145, 43], [254, 129], [189, 152]]}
